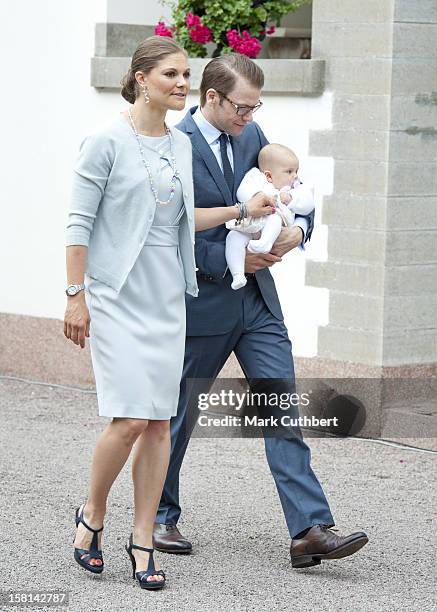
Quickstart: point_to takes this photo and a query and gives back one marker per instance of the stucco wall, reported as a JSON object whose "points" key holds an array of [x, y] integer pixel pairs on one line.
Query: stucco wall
{"points": [[43, 124]]}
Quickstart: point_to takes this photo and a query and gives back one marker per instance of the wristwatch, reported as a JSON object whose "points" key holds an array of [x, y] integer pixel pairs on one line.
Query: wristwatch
{"points": [[74, 289]]}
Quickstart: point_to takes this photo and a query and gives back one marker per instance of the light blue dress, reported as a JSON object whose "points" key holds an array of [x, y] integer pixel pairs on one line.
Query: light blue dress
{"points": [[137, 336]]}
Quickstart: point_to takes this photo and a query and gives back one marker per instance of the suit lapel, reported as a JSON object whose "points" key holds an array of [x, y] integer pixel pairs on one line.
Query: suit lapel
{"points": [[199, 142]]}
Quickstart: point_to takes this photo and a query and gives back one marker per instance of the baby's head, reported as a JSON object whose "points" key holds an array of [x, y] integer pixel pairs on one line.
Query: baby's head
{"points": [[279, 164]]}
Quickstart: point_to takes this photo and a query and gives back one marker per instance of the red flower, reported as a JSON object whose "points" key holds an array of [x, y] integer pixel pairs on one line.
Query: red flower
{"points": [[271, 29], [162, 30], [243, 43]]}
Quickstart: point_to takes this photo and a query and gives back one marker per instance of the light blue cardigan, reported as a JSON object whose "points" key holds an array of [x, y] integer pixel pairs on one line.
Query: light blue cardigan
{"points": [[112, 205]]}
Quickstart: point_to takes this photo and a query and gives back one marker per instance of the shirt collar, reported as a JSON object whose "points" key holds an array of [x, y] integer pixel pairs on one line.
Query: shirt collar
{"points": [[209, 132]]}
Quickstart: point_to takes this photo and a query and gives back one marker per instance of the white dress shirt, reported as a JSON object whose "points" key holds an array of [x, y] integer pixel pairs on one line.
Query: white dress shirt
{"points": [[212, 136]]}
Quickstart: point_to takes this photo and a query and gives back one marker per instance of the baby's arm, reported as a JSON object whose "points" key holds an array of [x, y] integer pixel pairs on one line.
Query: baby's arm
{"points": [[253, 182], [302, 202]]}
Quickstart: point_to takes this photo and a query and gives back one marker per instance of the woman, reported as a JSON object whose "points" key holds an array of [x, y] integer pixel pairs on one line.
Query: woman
{"points": [[130, 242]]}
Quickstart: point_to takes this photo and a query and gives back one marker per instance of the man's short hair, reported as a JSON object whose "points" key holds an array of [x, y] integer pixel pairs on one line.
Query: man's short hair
{"points": [[221, 74]]}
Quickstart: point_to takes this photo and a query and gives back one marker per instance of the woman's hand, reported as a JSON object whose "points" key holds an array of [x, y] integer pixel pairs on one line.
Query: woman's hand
{"points": [[77, 320], [260, 205]]}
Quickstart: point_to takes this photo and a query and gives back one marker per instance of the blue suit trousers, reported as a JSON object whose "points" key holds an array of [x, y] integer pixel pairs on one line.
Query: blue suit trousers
{"points": [[261, 345]]}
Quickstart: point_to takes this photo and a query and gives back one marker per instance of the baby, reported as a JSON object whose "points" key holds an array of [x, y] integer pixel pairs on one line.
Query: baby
{"points": [[277, 177]]}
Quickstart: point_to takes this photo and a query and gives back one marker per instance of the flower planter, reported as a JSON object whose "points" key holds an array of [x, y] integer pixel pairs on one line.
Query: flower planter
{"points": [[116, 42], [289, 43]]}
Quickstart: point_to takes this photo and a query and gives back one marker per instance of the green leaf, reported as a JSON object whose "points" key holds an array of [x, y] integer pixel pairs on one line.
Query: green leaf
{"points": [[261, 13]]}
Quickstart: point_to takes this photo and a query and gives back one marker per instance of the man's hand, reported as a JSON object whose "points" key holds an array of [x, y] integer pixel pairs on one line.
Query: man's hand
{"points": [[288, 239], [258, 261]]}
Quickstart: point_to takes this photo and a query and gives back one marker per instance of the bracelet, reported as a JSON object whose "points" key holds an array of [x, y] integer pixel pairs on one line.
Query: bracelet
{"points": [[242, 209]]}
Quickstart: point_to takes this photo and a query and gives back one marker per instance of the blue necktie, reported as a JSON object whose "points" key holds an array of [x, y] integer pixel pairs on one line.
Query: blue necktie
{"points": [[227, 168]]}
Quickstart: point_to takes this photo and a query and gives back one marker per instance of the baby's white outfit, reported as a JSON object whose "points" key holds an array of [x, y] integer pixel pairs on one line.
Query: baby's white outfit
{"points": [[269, 227]]}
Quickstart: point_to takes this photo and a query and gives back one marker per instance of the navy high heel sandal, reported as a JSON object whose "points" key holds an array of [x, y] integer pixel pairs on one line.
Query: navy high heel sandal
{"points": [[151, 585], [83, 556]]}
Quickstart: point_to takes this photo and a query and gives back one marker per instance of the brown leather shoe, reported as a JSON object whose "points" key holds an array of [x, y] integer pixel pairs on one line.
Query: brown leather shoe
{"points": [[168, 539], [321, 543]]}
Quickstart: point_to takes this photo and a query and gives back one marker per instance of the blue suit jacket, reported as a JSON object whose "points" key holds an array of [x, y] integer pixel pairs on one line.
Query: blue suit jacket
{"points": [[218, 307]]}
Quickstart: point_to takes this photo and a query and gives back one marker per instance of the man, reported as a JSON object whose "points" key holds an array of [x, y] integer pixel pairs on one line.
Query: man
{"points": [[248, 322]]}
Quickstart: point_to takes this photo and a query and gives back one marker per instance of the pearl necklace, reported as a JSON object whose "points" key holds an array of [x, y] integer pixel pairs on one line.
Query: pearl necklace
{"points": [[147, 167]]}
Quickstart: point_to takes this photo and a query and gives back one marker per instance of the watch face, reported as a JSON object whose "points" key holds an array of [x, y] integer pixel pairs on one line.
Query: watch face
{"points": [[72, 290]]}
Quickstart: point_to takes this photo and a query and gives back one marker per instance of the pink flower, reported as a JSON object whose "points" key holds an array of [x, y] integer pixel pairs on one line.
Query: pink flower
{"points": [[198, 32], [162, 30], [191, 20], [271, 29], [201, 34], [233, 37], [243, 43]]}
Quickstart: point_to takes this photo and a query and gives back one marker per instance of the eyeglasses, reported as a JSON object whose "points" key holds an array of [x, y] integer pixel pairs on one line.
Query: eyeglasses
{"points": [[241, 109]]}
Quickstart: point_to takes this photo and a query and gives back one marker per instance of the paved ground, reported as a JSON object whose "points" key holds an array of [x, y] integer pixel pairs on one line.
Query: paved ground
{"points": [[231, 513]]}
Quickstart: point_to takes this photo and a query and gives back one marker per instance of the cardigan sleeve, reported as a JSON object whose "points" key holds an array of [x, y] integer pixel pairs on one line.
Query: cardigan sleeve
{"points": [[90, 176]]}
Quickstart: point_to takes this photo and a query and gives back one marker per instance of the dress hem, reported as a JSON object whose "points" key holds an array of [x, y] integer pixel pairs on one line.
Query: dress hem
{"points": [[146, 413]]}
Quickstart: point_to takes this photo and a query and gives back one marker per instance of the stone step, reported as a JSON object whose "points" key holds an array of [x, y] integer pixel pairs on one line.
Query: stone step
{"points": [[417, 421]]}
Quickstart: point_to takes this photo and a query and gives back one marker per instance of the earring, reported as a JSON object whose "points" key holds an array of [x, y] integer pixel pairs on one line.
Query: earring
{"points": [[146, 94]]}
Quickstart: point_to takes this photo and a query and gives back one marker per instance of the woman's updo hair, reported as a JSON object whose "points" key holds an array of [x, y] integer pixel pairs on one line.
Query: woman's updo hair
{"points": [[146, 57]]}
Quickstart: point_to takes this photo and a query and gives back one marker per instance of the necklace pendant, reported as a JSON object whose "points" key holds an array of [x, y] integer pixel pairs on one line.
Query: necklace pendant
{"points": [[147, 167]]}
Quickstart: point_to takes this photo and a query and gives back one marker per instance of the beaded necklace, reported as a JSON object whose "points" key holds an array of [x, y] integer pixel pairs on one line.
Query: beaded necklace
{"points": [[147, 167]]}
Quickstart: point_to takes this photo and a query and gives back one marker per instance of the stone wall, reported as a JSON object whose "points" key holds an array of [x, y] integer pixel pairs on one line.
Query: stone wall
{"points": [[382, 216]]}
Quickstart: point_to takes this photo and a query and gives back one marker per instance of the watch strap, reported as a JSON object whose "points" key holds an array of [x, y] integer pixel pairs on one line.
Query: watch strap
{"points": [[76, 288]]}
